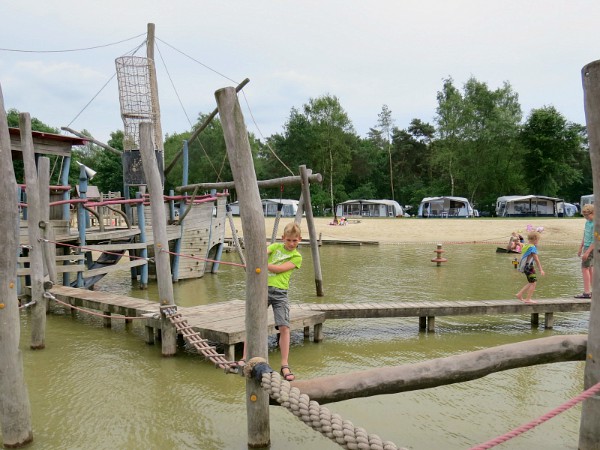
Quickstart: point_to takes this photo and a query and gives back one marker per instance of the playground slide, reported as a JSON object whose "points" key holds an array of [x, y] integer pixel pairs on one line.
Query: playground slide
{"points": [[105, 259]]}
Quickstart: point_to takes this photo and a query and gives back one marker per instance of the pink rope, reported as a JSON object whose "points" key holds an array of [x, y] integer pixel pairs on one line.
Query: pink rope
{"points": [[92, 313], [534, 423]]}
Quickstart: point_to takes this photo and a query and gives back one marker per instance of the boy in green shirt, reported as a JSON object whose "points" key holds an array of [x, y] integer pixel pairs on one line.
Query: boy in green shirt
{"points": [[283, 259]]}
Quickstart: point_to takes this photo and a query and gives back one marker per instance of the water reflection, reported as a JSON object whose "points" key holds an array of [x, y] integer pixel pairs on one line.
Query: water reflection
{"points": [[104, 388]]}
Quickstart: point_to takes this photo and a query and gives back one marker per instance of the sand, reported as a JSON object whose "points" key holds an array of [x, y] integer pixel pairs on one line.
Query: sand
{"points": [[568, 231]]}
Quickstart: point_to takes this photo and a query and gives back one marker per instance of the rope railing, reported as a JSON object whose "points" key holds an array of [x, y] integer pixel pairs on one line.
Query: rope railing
{"points": [[540, 420], [87, 311], [319, 418], [195, 340]]}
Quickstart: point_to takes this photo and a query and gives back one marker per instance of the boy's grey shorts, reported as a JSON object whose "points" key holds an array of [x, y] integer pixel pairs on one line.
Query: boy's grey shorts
{"points": [[278, 298]]}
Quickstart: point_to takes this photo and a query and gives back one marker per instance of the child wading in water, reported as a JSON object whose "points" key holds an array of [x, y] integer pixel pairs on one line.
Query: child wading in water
{"points": [[586, 251], [530, 255], [283, 259]]}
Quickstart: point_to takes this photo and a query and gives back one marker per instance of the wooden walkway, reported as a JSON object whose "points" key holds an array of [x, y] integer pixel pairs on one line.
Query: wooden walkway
{"points": [[223, 323]]}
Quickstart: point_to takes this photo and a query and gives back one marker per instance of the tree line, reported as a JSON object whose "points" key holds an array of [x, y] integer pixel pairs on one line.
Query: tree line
{"points": [[479, 146]]}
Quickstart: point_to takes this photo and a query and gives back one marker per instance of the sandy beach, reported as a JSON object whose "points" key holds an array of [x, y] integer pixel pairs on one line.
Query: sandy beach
{"points": [[567, 231]]}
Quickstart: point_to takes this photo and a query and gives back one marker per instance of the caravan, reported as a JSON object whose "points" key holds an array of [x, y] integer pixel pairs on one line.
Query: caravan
{"points": [[445, 207], [529, 205], [369, 208], [270, 206], [585, 199]]}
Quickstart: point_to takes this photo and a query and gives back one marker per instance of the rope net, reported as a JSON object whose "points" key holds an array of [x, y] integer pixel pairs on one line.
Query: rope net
{"points": [[137, 104]]}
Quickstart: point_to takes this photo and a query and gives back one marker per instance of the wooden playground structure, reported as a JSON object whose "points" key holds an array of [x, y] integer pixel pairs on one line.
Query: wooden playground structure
{"points": [[153, 213]]}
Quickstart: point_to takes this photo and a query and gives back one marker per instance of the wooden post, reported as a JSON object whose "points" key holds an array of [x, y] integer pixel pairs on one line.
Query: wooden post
{"points": [[157, 129], [15, 410], [253, 226], [38, 311], [312, 233], [161, 241], [47, 231], [589, 431]]}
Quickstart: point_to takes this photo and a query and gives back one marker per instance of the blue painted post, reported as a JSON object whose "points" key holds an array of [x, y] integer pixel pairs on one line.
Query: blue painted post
{"points": [[144, 252], [82, 216]]}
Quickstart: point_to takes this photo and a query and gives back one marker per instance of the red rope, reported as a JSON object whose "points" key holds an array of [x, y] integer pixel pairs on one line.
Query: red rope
{"points": [[534, 423]]}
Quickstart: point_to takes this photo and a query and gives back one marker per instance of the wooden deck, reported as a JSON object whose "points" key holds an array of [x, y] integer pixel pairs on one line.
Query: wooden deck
{"points": [[223, 323]]}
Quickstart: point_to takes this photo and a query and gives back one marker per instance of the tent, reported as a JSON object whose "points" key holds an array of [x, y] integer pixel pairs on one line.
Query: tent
{"points": [[529, 205], [369, 208], [570, 209], [445, 207]]}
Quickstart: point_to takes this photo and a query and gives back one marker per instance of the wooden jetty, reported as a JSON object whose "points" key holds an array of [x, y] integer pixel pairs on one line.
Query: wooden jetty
{"points": [[223, 322]]}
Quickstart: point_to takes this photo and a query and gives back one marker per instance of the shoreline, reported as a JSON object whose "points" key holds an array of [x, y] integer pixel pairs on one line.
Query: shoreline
{"points": [[556, 231]]}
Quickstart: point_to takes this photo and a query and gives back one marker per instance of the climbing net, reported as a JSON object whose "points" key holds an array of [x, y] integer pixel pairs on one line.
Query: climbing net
{"points": [[137, 104]]}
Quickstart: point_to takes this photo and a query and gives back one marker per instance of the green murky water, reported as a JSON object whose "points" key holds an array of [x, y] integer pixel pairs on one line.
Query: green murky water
{"points": [[97, 388]]}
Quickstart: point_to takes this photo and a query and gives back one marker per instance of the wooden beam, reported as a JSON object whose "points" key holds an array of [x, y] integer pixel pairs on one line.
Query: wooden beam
{"points": [[91, 139], [443, 371], [161, 241], [15, 409], [589, 431], [253, 225], [38, 315], [201, 128], [275, 182]]}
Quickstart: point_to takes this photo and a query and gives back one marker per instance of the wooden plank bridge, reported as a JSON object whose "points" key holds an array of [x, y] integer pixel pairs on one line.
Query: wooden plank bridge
{"points": [[223, 323]]}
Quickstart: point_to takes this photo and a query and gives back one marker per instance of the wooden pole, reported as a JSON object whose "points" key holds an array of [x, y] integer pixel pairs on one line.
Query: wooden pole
{"points": [[589, 431], [47, 231], [444, 371], [312, 232], [158, 136], [253, 226], [161, 241], [199, 130], [275, 182], [91, 139], [38, 310], [15, 410]]}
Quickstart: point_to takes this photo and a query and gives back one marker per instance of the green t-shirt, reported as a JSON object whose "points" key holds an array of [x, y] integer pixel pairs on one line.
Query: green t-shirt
{"points": [[279, 255]]}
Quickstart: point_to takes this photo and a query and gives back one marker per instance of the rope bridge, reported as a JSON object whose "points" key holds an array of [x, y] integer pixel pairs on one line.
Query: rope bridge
{"points": [[193, 338]]}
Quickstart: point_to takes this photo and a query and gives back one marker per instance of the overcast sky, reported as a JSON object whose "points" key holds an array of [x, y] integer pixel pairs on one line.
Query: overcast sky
{"points": [[367, 53]]}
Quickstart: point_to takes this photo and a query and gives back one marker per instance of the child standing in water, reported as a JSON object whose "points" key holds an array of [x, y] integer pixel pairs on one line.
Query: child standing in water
{"points": [[530, 255], [284, 258], [586, 251]]}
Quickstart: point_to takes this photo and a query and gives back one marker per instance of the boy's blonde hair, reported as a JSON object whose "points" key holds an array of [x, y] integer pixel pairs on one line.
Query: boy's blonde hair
{"points": [[292, 229], [533, 236], [587, 209]]}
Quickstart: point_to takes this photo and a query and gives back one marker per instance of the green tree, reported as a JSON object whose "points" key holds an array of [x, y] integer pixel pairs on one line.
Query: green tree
{"points": [[412, 148], [321, 137], [479, 148], [12, 116], [386, 125], [554, 152]]}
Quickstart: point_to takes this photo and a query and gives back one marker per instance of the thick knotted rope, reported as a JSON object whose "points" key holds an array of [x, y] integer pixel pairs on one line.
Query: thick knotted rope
{"points": [[319, 418]]}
